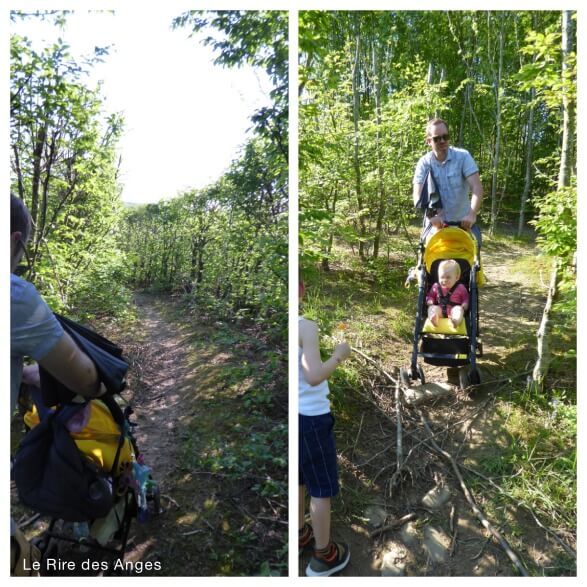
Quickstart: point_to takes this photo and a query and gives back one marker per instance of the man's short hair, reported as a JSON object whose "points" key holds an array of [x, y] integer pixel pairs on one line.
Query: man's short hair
{"points": [[434, 122], [20, 218]]}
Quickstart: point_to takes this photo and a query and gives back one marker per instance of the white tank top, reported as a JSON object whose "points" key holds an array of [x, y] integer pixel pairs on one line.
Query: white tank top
{"points": [[313, 399]]}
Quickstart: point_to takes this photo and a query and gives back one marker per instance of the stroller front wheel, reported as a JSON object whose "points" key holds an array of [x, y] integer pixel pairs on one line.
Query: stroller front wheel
{"points": [[468, 377], [407, 376]]}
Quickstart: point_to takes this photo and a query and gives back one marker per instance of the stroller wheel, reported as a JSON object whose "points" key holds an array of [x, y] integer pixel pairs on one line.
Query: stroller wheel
{"points": [[475, 377], [404, 377], [407, 376], [468, 377]]}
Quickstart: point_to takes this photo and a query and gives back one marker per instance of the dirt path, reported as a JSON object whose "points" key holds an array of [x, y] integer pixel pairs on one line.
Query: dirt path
{"points": [[444, 537], [189, 381]]}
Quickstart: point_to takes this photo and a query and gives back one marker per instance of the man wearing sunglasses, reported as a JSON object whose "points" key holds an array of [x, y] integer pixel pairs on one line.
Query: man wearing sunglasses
{"points": [[455, 174], [35, 333]]}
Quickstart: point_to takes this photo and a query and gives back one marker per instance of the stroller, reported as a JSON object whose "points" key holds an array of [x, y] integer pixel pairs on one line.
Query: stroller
{"points": [[79, 464], [445, 345]]}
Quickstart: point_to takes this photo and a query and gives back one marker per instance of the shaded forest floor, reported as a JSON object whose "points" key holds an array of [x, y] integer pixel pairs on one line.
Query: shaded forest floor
{"points": [[436, 531], [210, 404]]}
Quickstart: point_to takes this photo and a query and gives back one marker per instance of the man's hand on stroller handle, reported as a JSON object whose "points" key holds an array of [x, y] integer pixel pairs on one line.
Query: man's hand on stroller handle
{"points": [[469, 219]]}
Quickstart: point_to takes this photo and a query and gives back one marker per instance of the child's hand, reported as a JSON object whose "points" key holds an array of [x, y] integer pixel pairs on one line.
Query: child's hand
{"points": [[342, 351]]}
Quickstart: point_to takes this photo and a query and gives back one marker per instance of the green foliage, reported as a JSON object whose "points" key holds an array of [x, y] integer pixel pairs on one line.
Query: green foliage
{"points": [[556, 222], [63, 165], [223, 247]]}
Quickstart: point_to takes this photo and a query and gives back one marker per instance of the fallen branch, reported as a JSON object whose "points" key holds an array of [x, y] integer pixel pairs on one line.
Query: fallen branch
{"points": [[170, 499], [394, 525], [191, 533], [480, 516], [392, 379], [398, 407]]}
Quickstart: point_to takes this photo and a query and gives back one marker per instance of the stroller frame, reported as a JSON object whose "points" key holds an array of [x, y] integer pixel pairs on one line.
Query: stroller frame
{"points": [[449, 350]]}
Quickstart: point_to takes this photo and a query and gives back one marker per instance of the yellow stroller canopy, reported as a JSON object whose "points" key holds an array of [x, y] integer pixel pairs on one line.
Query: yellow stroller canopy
{"points": [[452, 243]]}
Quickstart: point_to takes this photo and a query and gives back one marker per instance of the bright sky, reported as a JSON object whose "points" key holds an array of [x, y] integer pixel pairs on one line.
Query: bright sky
{"points": [[185, 118]]}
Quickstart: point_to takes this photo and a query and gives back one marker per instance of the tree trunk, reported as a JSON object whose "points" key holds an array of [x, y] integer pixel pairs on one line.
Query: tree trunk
{"points": [[568, 114], [356, 162], [496, 153], [528, 175], [382, 194], [543, 335]]}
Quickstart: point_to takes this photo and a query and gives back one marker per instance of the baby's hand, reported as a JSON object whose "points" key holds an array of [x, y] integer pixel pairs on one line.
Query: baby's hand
{"points": [[342, 351]]}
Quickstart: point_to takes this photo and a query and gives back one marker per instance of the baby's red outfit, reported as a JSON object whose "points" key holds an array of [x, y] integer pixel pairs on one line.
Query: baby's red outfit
{"points": [[459, 296]]}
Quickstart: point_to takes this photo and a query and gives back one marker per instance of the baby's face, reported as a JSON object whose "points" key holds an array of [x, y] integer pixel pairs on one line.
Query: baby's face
{"points": [[447, 277]]}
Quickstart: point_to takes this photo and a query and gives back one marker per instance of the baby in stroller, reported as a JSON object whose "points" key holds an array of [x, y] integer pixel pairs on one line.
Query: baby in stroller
{"points": [[447, 298]]}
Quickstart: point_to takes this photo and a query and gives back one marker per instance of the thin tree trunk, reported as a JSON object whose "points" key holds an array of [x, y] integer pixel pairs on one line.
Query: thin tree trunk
{"points": [[382, 194], [543, 335], [568, 114], [528, 174], [356, 162], [496, 153]]}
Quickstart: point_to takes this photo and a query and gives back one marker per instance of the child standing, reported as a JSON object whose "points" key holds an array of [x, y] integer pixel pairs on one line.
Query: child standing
{"points": [[317, 452], [446, 299]]}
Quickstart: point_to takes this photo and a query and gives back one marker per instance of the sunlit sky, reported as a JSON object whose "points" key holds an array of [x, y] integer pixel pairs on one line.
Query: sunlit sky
{"points": [[185, 118]]}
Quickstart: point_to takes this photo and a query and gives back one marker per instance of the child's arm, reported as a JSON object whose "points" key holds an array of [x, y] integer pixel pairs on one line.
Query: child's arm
{"points": [[315, 371], [464, 297], [431, 296]]}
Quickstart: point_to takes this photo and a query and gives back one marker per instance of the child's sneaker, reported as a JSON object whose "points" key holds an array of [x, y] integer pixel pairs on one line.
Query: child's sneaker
{"points": [[334, 558], [306, 538]]}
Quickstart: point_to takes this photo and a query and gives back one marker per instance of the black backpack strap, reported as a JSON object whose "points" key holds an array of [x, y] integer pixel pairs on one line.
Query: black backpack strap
{"points": [[444, 300]]}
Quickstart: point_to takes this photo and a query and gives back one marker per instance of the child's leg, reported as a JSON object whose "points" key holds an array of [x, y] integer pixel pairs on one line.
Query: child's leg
{"points": [[456, 315], [434, 314], [302, 507], [320, 516]]}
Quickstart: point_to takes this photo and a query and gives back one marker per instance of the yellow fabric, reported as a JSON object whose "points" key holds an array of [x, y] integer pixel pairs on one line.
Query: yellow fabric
{"points": [[453, 243], [445, 326], [99, 440]]}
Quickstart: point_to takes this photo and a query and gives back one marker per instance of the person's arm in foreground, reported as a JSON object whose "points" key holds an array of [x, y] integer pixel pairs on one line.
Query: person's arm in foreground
{"points": [[315, 371], [72, 367]]}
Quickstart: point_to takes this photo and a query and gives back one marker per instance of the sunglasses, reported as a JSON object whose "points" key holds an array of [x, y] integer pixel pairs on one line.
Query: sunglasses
{"points": [[440, 138]]}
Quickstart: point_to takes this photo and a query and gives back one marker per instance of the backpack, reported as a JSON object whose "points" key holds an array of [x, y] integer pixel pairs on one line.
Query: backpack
{"points": [[106, 356], [54, 478]]}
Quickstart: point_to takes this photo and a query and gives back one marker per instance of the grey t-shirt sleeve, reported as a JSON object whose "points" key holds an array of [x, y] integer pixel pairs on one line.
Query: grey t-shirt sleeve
{"points": [[34, 330]]}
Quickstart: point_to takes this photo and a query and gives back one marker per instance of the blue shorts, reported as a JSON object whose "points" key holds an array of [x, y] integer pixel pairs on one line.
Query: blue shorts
{"points": [[317, 454]]}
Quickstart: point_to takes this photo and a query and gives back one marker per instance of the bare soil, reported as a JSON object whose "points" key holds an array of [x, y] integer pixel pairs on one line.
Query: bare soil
{"points": [[441, 536]]}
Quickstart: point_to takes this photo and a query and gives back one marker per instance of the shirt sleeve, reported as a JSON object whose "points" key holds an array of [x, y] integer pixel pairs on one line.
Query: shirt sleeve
{"points": [[469, 165], [421, 169], [34, 330]]}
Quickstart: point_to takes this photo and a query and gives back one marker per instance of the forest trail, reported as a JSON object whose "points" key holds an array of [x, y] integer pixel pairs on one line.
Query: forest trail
{"points": [[186, 398], [443, 536]]}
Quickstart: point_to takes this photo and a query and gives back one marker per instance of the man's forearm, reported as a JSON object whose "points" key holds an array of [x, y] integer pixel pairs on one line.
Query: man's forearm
{"points": [[476, 200]]}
